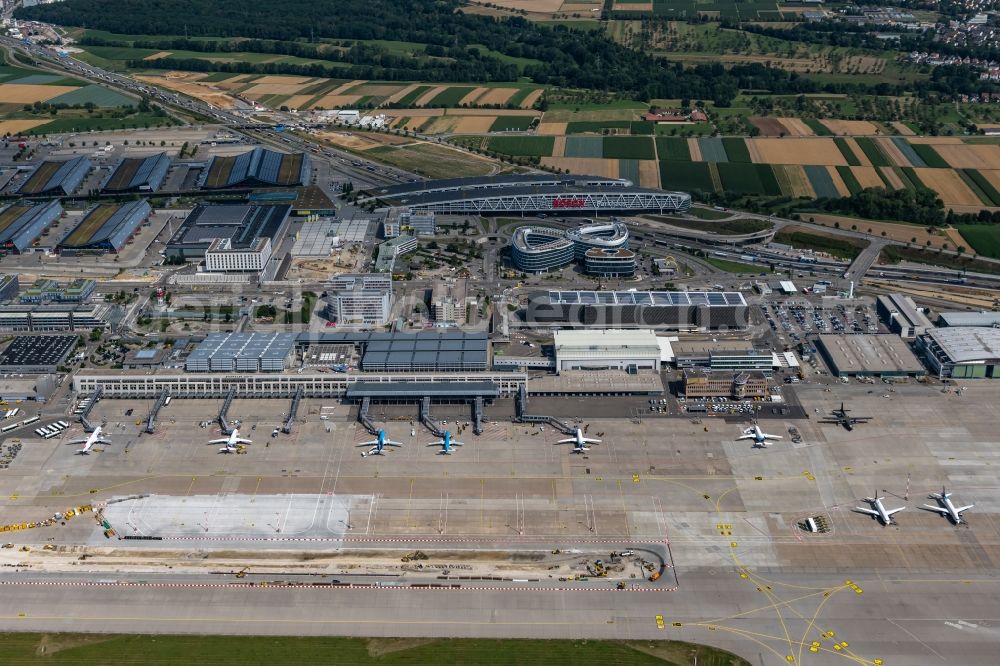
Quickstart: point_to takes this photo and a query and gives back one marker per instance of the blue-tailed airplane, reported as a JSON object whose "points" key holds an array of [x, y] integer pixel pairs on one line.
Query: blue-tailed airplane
{"points": [[446, 443], [378, 445]]}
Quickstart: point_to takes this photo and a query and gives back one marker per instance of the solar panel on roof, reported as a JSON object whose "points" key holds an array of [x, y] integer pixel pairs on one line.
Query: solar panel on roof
{"points": [[715, 298], [604, 297], [642, 298], [588, 297]]}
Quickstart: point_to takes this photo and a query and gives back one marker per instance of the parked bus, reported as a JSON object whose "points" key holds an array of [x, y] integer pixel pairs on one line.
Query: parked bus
{"points": [[63, 424], [33, 419], [10, 427], [50, 435], [14, 412]]}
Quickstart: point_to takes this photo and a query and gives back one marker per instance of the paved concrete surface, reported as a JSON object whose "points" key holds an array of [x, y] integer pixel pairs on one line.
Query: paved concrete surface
{"points": [[725, 515]]}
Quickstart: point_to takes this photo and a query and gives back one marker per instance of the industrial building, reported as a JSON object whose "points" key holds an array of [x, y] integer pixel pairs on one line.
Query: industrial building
{"points": [[449, 351], [359, 299], [522, 194], [704, 383], [106, 228], [540, 249], [9, 286], [385, 258], [672, 310], [406, 220], [45, 290], [56, 178], [608, 349], [981, 319], [721, 355], [242, 352], [54, 318], [37, 353], [868, 356], [222, 257], [962, 352], [138, 174], [258, 168], [22, 224], [242, 224], [901, 315]]}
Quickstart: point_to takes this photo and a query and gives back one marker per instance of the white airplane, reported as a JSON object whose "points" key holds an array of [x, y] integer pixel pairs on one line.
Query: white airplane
{"points": [[378, 445], [579, 442], [232, 443], [879, 511], [446, 443], [759, 437], [89, 441], [946, 508]]}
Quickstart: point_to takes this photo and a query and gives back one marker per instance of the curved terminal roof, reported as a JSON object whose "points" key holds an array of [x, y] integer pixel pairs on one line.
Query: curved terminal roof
{"points": [[612, 235], [539, 239]]}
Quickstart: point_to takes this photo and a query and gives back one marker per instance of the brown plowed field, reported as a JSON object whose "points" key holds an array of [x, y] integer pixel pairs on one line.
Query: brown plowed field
{"points": [[395, 97], [856, 149], [336, 101], [472, 96], [474, 124], [796, 151], [867, 176], [851, 127], [273, 89], [18, 126], [633, 6], [796, 127], [970, 156], [25, 93], [902, 128], [838, 182], [892, 178], [496, 96], [559, 146], [949, 185], [649, 173], [769, 126], [992, 176], [694, 149], [551, 129], [585, 166], [530, 100], [426, 98], [893, 152], [158, 56], [284, 80], [204, 92]]}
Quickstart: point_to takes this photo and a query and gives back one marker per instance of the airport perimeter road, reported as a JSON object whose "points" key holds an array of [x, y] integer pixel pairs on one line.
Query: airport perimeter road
{"points": [[906, 620]]}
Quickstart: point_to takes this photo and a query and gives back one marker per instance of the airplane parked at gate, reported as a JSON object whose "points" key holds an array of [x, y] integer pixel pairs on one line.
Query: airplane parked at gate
{"points": [[378, 445], [446, 443], [879, 511], [89, 441], [233, 442], [579, 442], [759, 437], [946, 508]]}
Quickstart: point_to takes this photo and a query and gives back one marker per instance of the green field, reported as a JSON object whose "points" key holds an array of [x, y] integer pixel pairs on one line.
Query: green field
{"points": [[983, 238], [672, 148], [838, 247], [816, 126], [411, 97], [628, 147], [852, 183], [708, 213], [748, 178], [522, 146], [94, 649], [873, 152], [985, 186], [450, 96], [686, 176], [846, 151], [929, 155], [511, 123], [736, 150], [734, 266], [728, 228], [599, 126]]}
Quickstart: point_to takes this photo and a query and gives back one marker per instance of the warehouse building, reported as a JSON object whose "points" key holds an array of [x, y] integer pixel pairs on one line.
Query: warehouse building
{"points": [[670, 310], [983, 319], [9, 286], [22, 224], [242, 352], [902, 316], [364, 299], [721, 355], [138, 174], [222, 257], [868, 356], [242, 224], [45, 290], [426, 351], [704, 383], [106, 228], [608, 349], [56, 178], [55, 318], [37, 353], [962, 352], [258, 168]]}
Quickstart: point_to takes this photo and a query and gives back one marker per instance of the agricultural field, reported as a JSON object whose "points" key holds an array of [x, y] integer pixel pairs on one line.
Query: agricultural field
{"points": [[433, 160], [981, 238], [837, 246]]}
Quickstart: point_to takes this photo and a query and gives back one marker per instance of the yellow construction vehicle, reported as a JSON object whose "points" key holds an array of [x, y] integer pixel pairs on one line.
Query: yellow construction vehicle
{"points": [[242, 573]]}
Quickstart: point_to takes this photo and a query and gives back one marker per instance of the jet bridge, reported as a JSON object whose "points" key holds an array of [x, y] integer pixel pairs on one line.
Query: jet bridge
{"points": [[151, 419], [224, 411], [91, 401]]}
